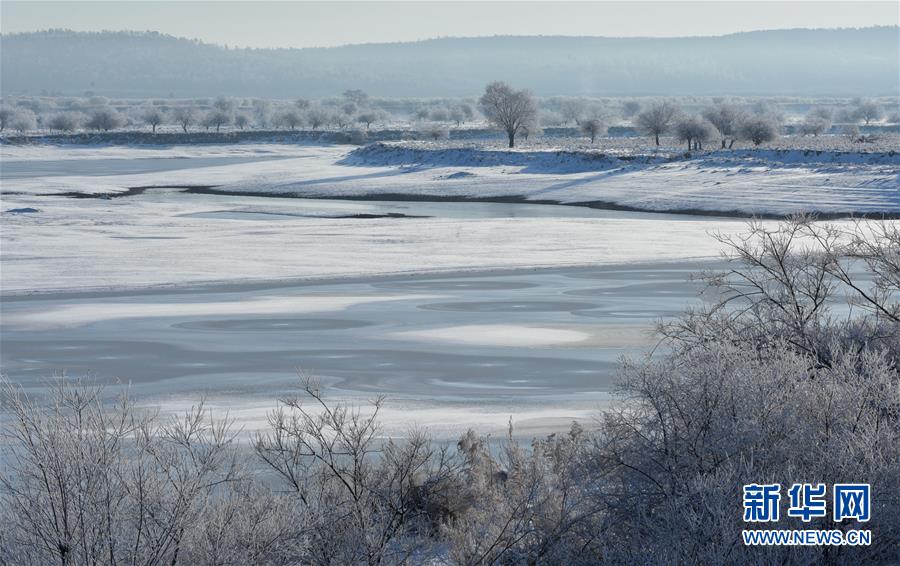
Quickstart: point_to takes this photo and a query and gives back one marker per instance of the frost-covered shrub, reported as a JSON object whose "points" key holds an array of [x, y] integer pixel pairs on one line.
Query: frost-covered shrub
{"points": [[759, 129], [769, 384], [434, 131]]}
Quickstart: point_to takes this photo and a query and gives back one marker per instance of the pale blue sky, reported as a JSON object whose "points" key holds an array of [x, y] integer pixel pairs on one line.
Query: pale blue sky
{"points": [[310, 24]]}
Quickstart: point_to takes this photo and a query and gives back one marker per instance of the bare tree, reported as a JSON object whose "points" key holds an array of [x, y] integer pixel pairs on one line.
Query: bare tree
{"points": [[657, 119], [507, 108]]}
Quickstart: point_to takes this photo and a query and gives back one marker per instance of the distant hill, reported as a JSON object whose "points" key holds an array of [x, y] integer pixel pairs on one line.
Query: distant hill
{"points": [[800, 62]]}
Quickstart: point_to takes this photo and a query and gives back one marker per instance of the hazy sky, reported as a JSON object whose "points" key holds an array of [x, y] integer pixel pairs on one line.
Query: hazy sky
{"points": [[309, 24]]}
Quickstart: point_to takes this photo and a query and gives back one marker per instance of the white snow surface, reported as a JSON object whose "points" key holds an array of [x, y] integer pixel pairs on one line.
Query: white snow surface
{"points": [[90, 243]]}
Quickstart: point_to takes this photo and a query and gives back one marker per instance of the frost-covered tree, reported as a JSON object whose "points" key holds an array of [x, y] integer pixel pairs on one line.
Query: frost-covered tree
{"points": [[184, 116], [727, 119], [241, 120], [593, 127], [851, 132], [369, 117], [507, 108], [340, 119], [461, 113], [868, 111], [357, 97], [216, 118], [301, 104], [64, 121], [316, 117], [657, 119], [551, 119], [6, 114], [95, 483], [153, 117], [105, 118], [291, 119], [23, 120], [440, 115], [224, 104], [468, 110], [262, 112], [759, 129], [694, 130], [572, 109], [531, 129], [630, 108], [813, 126]]}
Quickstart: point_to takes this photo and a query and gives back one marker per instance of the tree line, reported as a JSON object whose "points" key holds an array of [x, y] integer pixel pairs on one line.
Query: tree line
{"points": [[517, 113]]}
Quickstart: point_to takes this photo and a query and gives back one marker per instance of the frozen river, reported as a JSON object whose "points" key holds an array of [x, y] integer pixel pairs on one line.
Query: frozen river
{"points": [[204, 297], [446, 351]]}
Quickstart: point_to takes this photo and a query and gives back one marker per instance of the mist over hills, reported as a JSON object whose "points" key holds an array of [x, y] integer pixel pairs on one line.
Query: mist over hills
{"points": [[796, 62]]}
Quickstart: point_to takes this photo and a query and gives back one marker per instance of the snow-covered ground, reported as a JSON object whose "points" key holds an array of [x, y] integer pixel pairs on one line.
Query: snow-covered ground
{"points": [[53, 242], [769, 182]]}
